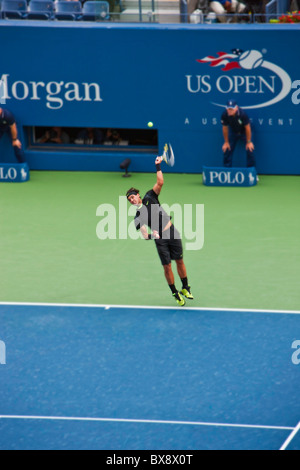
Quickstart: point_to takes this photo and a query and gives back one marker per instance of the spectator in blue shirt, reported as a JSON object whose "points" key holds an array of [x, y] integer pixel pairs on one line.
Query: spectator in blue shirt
{"points": [[236, 126], [222, 7], [8, 125]]}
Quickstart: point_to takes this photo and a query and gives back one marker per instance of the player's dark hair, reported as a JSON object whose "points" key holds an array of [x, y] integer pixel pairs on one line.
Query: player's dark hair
{"points": [[132, 191]]}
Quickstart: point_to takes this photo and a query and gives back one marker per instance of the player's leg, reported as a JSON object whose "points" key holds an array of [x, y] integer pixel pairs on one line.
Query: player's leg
{"points": [[186, 288], [164, 254], [169, 275], [176, 253], [181, 269]]}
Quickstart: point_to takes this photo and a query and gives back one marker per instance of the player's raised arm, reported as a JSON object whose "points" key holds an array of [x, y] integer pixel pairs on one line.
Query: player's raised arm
{"points": [[160, 178]]}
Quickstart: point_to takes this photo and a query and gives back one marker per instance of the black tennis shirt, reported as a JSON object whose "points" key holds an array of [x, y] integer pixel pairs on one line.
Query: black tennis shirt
{"points": [[237, 122], [151, 214]]}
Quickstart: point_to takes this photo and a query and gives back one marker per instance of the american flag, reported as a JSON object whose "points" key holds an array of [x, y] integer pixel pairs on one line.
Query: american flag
{"points": [[224, 60]]}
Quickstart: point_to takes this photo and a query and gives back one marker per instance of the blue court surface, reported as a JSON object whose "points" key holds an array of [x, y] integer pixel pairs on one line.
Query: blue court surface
{"points": [[141, 378]]}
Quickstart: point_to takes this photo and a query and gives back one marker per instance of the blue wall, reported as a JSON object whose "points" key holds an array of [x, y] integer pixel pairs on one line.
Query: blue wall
{"points": [[124, 76]]}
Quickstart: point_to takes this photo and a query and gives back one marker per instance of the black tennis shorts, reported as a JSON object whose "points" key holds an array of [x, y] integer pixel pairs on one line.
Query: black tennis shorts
{"points": [[169, 247]]}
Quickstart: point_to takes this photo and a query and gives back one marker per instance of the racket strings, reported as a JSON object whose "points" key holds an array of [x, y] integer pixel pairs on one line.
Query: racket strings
{"points": [[168, 155]]}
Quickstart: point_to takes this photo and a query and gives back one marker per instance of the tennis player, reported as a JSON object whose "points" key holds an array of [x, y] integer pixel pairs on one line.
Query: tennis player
{"points": [[150, 215]]}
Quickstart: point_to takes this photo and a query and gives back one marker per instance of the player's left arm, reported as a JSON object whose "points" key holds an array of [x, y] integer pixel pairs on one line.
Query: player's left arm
{"points": [[160, 177], [249, 144]]}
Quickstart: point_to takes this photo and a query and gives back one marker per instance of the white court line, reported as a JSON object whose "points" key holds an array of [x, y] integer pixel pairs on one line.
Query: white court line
{"points": [[146, 421], [291, 437], [147, 307]]}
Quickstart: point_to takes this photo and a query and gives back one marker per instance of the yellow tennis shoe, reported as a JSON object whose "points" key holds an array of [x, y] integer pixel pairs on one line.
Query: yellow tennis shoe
{"points": [[187, 293], [179, 299]]}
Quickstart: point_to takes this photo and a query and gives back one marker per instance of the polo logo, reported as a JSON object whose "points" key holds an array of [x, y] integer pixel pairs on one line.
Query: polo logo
{"points": [[10, 173], [229, 176], [24, 174]]}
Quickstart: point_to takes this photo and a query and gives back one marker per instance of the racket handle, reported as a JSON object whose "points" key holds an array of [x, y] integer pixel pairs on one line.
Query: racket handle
{"points": [[164, 157]]}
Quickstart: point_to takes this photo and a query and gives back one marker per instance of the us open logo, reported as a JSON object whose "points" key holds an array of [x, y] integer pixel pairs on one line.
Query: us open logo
{"points": [[248, 74]]}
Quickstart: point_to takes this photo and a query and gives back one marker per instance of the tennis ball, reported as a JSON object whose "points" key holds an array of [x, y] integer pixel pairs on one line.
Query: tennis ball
{"points": [[251, 60], [150, 124]]}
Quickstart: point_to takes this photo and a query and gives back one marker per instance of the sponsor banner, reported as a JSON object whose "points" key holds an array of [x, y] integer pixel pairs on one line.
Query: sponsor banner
{"points": [[14, 173], [215, 176], [208, 66]]}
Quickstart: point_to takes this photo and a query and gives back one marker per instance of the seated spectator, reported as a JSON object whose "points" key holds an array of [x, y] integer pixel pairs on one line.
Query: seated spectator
{"points": [[222, 7], [56, 135], [294, 5], [112, 136], [89, 136], [257, 8]]}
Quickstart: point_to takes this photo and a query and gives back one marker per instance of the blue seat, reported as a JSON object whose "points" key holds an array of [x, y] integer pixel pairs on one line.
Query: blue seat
{"points": [[14, 9], [68, 10], [41, 10], [95, 11]]}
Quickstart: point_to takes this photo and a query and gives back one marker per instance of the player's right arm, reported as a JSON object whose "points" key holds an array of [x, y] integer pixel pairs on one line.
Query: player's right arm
{"points": [[160, 177], [145, 233]]}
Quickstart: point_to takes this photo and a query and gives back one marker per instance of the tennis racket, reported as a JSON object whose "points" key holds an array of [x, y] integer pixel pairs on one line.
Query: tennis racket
{"points": [[168, 155]]}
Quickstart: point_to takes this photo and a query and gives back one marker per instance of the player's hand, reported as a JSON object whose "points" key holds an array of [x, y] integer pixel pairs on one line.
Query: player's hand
{"points": [[158, 160], [226, 147], [155, 234], [250, 146]]}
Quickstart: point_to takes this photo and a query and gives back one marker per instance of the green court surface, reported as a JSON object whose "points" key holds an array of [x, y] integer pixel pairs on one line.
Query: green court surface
{"points": [[50, 251]]}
